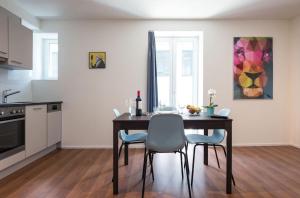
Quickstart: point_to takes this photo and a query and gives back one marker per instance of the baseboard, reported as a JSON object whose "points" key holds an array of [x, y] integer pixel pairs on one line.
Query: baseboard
{"points": [[97, 146], [295, 145], [86, 147], [261, 144]]}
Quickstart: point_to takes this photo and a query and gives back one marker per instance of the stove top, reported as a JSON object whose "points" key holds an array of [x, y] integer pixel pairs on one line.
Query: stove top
{"points": [[12, 111]]}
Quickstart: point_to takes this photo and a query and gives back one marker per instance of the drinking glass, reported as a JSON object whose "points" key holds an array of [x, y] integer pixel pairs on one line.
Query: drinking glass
{"points": [[130, 105], [180, 108]]}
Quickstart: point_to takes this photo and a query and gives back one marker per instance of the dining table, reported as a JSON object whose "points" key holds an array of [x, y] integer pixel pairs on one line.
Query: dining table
{"points": [[127, 122]]}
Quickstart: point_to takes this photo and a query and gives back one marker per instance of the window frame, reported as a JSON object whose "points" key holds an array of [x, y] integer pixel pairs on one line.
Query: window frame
{"points": [[173, 43], [46, 42], [41, 55]]}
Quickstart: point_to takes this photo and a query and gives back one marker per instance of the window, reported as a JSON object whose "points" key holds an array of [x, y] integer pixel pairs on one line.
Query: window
{"points": [[179, 68], [164, 68], [187, 62], [45, 56]]}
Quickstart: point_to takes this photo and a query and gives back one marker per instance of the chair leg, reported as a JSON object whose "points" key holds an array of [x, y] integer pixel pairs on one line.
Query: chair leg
{"points": [[149, 157], [144, 173], [224, 150], [186, 151], [187, 174], [216, 155], [120, 150], [152, 156], [145, 153], [187, 159], [181, 164], [233, 181], [151, 164], [193, 165]]}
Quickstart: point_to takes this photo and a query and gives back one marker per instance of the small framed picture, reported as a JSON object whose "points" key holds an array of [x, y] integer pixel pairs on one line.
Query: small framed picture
{"points": [[97, 60]]}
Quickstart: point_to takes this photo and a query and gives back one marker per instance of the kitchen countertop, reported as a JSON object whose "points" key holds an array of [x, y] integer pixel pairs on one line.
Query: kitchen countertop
{"points": [[15, 104]]}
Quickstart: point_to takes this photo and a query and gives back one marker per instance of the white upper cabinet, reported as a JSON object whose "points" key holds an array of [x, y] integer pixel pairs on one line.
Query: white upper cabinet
{"points": [[3, 34], [20, 44]]}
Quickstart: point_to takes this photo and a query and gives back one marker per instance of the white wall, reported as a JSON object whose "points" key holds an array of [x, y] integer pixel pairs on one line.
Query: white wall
{"points": [[90, 95], [295, 82]]}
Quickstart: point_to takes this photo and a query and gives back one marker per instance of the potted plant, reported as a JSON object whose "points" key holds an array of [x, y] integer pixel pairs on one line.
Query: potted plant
{"points": [[210, 109]]}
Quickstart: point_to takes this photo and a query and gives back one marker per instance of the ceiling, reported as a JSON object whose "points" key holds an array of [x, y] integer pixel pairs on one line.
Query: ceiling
{"points": [[161, 9]]}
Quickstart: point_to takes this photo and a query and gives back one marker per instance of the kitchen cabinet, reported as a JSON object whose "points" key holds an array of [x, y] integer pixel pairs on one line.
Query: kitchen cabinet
{"points": [[3, 34], [35, 129], [54, 127], [20, 45]]}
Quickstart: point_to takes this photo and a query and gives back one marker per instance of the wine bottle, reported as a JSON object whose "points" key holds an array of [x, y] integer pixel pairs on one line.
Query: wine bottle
{"points": [[138, 108]]}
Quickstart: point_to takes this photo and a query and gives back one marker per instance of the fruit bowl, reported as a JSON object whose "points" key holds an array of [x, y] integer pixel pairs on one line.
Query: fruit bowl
{"points": [[193, 109]]}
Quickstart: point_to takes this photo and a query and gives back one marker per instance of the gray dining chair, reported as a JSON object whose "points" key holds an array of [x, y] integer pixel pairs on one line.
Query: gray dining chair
{"points": [[135, 138], [165, 135], [214, 140], [169, 109]]}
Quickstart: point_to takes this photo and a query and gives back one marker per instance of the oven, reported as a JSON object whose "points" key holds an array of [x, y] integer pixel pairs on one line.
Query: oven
{"points": [[12, 130]]}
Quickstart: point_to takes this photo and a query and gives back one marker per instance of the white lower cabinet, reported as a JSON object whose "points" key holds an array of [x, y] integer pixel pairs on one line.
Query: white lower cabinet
{"points": [[35, 129], [54, 127]]}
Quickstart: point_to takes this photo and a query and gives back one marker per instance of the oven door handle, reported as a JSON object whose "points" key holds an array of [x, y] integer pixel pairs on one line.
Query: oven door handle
{"points": [[14, 120]]}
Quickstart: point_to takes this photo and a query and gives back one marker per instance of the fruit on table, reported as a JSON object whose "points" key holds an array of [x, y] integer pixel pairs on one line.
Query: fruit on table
{"points": [[193, 109]]}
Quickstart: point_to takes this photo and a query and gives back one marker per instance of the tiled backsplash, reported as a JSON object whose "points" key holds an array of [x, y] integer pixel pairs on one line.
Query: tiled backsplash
{"points": [[16, 80]]}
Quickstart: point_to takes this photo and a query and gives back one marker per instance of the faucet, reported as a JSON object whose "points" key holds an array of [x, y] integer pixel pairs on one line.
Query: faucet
{"points": [[5, 94]]}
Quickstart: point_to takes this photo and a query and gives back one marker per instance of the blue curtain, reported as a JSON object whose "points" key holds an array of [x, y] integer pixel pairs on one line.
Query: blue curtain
{"points": [[152, 98]]}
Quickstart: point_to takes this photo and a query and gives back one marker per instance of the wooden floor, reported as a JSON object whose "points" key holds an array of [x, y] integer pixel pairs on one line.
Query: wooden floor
{"points": [[259, 172]]}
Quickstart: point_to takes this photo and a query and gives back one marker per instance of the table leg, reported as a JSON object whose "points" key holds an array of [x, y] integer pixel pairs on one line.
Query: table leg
{"points": [[229, 158], [205, 152], [126, 152], [115, 159]]}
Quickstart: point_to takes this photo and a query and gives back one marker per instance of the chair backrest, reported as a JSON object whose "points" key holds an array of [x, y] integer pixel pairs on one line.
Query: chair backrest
{"points": [[166, 109], [165, 133], [116, 112], [219, 134]]}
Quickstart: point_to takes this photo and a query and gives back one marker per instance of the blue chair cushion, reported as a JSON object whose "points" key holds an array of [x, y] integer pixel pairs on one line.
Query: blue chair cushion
{"points": [[198, 139], [216, 138], [135, 137]]}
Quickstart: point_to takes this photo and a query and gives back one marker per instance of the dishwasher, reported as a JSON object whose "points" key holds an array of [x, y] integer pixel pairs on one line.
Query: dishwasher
{"points": [[54, 116]]}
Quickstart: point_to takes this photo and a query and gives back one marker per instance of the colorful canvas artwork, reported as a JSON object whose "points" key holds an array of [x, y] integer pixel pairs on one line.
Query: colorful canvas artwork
{"points": [[253, 68], [97, 60]]}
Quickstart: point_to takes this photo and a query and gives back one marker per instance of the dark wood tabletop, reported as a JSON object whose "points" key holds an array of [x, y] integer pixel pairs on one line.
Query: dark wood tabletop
{"points": [[132, 122], [128, 117]]}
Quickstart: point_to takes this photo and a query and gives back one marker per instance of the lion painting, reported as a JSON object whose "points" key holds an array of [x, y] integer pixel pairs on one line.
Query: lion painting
{"points": [[253, 68]]}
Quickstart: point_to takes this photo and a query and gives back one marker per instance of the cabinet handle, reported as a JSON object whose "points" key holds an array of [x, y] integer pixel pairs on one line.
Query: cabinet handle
{"points": [[13, 61], [3, 52], [37, 108]]}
